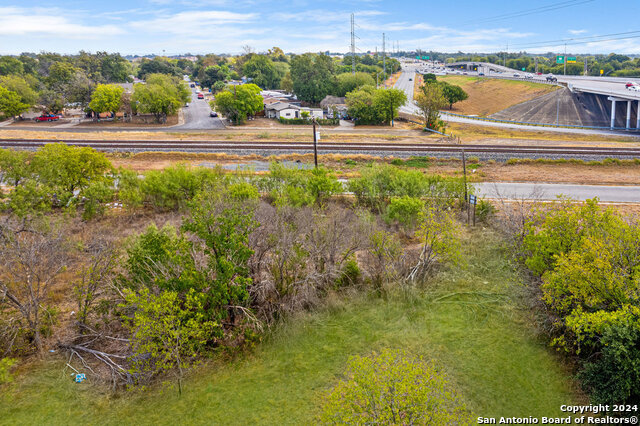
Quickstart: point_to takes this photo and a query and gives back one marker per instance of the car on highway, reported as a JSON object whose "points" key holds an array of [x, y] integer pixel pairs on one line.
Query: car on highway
{"points": [[48, 117], [552, 79], [630, 84], [200, 96], [516, 75], [634, 88], [213, 114]]}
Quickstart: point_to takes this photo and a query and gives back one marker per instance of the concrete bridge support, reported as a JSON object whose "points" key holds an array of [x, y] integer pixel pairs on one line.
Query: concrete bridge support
{"points": [[614, 102]]}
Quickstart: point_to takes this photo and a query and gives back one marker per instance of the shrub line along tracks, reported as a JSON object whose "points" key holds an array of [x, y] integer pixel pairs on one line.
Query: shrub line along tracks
{"points": [[276, 147]]}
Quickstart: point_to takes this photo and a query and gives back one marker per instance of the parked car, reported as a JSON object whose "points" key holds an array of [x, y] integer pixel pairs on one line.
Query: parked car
{"points": [[192, 85], [480, 74], [213, 114], [187, 104], [48, 117], [200, 96]]}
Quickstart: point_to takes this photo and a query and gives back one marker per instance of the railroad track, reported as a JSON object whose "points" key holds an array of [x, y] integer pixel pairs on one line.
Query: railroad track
{"points": [[325, 147]]}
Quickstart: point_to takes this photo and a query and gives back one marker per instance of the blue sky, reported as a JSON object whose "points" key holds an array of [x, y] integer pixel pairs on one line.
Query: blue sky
{"points": [[225, 26]]}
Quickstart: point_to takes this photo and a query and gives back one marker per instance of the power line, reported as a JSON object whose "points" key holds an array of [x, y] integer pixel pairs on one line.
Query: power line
{"points": [[573, 39], [527, 12]]}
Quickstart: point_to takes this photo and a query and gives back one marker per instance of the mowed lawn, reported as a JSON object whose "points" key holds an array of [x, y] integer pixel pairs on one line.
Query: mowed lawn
{"points": [[490, 95], [471, 320]]}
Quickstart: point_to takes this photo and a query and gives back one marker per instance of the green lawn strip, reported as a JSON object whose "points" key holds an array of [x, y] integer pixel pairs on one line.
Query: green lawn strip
{"points": [[469, 320]]}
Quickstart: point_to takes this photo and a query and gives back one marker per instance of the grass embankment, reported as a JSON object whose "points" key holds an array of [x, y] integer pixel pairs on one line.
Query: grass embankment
{"points": [[471, 320], [490, 95]]}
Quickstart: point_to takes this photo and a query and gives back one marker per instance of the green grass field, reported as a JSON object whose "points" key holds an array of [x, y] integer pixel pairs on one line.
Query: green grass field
{"points": [[470, 320]]}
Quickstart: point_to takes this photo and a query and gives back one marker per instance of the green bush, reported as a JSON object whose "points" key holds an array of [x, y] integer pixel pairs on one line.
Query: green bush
{"points": [[405, 210], [172, 188], [589, 259], [484, 210], [300, 187], [96, 195], [378, 184], [6, 364], [393, 388], [350, 274]]}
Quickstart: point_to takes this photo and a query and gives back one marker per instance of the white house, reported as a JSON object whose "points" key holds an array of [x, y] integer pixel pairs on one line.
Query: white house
{"points": [[282, 110]]}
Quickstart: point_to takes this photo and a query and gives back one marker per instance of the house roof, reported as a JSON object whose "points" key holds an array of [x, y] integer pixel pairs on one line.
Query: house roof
{"points": [[332, 100], [279, 106], [269, 101]]}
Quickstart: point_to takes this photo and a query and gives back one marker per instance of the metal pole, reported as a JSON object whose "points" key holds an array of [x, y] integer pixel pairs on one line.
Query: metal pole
{"points": [[464, 172], [315, 144], [474, 214], [565, 59]]}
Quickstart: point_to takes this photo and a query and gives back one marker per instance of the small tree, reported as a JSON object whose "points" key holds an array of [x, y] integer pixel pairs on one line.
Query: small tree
{"points": [[387, 102], [439, 235], [430, 101], [31, 262], [106, 98], [453, 93], [168, 332]]}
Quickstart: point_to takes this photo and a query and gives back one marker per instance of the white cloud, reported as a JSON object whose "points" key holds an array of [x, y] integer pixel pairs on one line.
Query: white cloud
{"points": [[197, 23], [576, 32], [49, 22]]}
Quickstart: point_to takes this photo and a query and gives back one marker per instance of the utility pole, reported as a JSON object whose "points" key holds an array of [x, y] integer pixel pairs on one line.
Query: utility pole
{"points": [[505, 54], [384, 62], [315, 144], [565, 59], [586, 68], [536, 59], [353, 45]]}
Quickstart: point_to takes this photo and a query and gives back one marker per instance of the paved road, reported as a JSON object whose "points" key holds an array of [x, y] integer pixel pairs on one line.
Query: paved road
{"points": [[406, 82], [550, 191], [196, 116]]}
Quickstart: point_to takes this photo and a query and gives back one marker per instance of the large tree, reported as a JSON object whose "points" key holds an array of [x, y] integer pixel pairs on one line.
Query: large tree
{"points": [[21, 87], [313, 77], [387, 102], [11, 104], [106, 98], [262, 71], [162, 95], [348, 82], [238, 102]]}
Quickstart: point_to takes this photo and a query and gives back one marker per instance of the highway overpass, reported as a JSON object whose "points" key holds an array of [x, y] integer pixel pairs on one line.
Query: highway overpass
{"points": [[621, 100]]}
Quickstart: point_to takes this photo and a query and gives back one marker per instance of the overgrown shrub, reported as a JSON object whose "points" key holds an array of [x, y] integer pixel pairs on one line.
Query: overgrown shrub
{"points": [[300, 187], [378, 184], [589, 261], [393, 388]]}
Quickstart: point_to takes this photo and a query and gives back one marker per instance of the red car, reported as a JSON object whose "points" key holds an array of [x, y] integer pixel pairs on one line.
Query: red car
{"points": [[200, 96], [630, 84], [48, 117]]}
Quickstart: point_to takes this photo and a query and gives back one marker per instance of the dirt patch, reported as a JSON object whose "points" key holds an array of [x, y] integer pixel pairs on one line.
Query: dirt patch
{"points": [[490, 95]]}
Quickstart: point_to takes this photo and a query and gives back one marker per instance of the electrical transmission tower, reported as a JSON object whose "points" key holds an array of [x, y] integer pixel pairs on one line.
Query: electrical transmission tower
{"points": [[353, 45], [384, 63]]}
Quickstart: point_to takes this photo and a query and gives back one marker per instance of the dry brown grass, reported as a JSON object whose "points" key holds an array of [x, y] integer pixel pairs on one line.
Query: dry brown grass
{"points": [[488, 95]]}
